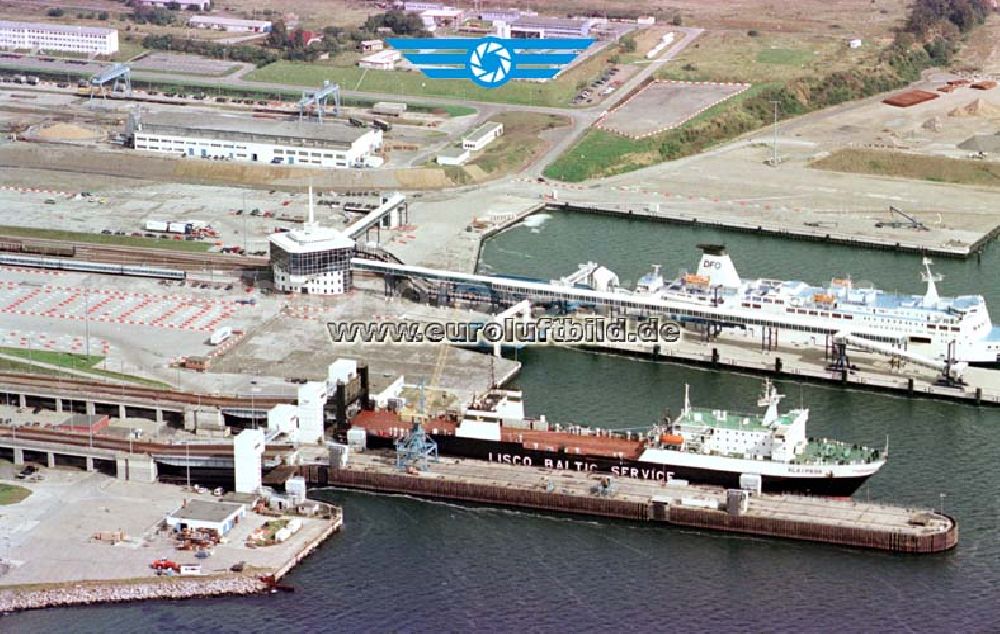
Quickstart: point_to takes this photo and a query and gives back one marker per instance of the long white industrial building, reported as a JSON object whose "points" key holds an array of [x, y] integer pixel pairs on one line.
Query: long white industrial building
{"points": [[306, 144], [58, 37]]}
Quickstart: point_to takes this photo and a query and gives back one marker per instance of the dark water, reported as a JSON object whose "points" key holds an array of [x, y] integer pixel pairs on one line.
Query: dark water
{"points": [[406, 565]]}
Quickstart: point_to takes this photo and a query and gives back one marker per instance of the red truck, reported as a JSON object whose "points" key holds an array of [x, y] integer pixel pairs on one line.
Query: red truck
{"points": [[165, 564]]}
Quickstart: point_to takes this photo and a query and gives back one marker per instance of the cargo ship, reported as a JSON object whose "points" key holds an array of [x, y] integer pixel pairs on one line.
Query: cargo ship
{"points": [[767, 450]]}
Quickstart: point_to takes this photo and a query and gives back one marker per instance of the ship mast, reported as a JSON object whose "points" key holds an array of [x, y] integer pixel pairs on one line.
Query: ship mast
{"points": [[770, 399], [931, 296]]}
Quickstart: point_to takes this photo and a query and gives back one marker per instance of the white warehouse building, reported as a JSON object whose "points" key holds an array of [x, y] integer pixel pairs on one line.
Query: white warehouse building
{"points": [[58, 37], [236, 138]]}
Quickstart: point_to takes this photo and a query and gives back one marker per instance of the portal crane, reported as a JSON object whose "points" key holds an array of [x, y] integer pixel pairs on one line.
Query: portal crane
{"points": [[116, 73], [318, 98]]}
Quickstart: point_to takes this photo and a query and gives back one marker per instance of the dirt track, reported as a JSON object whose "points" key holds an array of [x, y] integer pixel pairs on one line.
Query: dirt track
{"points": [[138, 166]]}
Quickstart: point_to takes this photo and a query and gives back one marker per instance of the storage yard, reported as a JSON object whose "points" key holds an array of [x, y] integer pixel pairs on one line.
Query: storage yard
{"points": [[82, 527]]}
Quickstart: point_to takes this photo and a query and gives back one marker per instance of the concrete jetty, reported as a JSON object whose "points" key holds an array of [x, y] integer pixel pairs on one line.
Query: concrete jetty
{"points": [[69, 557], [833, 521], [914, 242]]}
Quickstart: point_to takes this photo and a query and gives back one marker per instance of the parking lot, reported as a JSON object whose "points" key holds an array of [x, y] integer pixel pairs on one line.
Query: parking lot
{"points": [[187, 64], [664, 105], [33, 340], [80, 303]]}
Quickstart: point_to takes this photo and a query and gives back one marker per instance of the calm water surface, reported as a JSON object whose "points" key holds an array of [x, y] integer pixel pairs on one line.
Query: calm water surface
{"points": [[408, 565]]}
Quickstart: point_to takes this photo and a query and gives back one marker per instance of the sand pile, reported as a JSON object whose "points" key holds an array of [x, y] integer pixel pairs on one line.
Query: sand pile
{"points": [[65, 132], [977, 108], [933, 124]]}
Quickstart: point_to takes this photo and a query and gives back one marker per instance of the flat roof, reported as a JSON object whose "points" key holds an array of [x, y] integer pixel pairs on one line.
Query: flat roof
{"points": [[205, 511], [296, 133], [383, 56], [483, 130], [62, 28], [311, 239], [211, 19], [551, 23]]}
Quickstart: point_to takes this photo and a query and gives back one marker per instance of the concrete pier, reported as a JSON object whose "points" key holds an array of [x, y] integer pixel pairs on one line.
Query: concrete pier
{"points": [[833, 521], [915, 242]]}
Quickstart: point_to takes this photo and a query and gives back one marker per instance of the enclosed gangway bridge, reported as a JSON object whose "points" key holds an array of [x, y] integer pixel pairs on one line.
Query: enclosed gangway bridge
{"points": [[447, 287]]}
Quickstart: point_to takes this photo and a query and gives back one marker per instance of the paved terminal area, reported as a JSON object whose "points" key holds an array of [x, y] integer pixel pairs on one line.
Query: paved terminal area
{"points": [[299, 344], [835, 512], [48, 537]]}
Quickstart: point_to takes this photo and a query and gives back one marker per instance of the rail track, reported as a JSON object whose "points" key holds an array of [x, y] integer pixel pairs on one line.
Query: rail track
{"points": [[97, 390], [145, 256], [98, 441]]}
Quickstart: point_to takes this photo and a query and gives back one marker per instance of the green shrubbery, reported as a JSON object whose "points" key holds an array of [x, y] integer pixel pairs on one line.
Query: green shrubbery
{"points": [[930, 38]]}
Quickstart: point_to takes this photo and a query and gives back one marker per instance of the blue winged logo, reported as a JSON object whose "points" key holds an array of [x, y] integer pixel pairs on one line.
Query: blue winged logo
{"points": [[490, 61]]}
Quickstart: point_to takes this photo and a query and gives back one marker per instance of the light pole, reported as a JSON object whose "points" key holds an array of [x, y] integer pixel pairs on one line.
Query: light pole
{"points": [[774, 155], [86, 318]]}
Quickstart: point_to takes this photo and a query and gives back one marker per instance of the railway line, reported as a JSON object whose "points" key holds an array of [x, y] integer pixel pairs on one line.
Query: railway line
{"points": [[98, 441], [120, 254], [97, 391]]}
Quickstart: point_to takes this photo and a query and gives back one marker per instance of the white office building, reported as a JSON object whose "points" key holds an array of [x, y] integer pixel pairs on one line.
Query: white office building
{"points": [[482, 136], [551, 28], [313, 260], [307, 144], [89, 40], [201, 5]]}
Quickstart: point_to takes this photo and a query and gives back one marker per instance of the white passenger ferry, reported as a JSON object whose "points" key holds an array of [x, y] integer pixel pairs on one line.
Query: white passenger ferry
{"points": [[930, 325]]}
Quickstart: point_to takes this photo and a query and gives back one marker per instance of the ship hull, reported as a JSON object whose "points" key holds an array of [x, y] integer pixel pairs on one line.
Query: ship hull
{"points": [[514, 453]]}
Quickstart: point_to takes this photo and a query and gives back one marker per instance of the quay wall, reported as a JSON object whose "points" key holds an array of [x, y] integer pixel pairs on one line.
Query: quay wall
{"points": [[904, 386], [16, 599], [471, 492], [846, 536], [816, 235], [451, 489]]}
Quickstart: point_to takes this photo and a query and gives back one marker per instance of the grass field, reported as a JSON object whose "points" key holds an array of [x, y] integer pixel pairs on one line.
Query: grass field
{"points": [[23, 367], [520, 142], [736, 56], [69, 360], [61, 359], [601, 153], [100, 238], [786, 56], [902, 165], [12, 494], [558, 92]]}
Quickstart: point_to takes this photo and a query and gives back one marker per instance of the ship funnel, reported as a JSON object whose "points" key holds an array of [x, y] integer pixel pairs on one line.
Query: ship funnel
{"points": [[717, 266]]}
